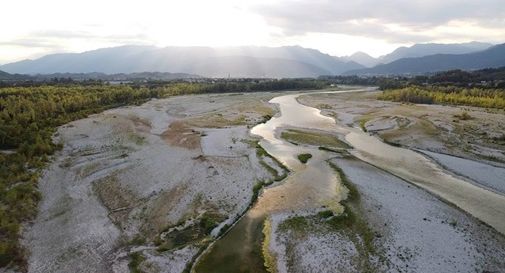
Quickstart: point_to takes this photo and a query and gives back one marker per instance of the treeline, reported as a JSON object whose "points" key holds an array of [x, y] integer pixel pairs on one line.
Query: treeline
{"points": [[490, 78], [29, 117], [381, 81], [488, 98], [205, 85], [485, 78]]}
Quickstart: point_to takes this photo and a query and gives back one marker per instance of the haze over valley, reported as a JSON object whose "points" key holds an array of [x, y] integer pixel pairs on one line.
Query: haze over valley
{"points": [[264, 62]]}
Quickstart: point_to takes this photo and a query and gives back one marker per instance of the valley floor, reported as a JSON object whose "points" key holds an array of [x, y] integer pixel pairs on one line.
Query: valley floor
{"points": [[148, 189]]}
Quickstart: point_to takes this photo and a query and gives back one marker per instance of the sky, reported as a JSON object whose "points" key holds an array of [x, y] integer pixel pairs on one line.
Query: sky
{"points": [[33, 28]]}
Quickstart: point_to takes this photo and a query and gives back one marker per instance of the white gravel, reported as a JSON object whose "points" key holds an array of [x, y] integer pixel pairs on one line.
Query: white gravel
{"points": [[486, 175], [152, 184], [420, 232]]}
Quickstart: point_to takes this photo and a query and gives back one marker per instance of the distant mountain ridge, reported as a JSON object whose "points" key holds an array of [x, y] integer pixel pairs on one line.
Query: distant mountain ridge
{"points": [[421, 50], [493, 57], [292, 61], [417, 50], [4, 75], [362, 58], [157, 76], [251, 62]]}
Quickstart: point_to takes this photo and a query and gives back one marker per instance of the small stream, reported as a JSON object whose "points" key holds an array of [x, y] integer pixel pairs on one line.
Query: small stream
{"points": [[314, 184]]}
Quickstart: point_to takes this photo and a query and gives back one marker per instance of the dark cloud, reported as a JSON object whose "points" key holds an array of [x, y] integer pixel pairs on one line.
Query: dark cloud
{"points": [[373, 18]]}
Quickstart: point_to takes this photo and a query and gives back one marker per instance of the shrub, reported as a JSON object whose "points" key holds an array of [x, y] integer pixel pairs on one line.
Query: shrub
{"points": [[304, 158]]}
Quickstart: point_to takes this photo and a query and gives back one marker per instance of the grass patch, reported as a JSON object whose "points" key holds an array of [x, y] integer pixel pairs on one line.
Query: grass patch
{"points": [[304, 158], [353, 194], [261, 152], [136, 259], [196, 232], [312, 138], [361, 234], [216, 121], [269, 168], [137, 240], [352, 222], [362, 124], [325, 214], [256, 190], [295, 223]]}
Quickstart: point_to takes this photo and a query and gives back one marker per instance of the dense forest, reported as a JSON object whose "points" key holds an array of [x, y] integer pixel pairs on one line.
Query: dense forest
{"points": [[30, 115], [489, 98]]}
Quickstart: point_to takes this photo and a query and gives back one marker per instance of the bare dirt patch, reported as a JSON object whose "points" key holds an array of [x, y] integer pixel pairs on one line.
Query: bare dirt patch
{"points": [[181, 135], [117, 199]]}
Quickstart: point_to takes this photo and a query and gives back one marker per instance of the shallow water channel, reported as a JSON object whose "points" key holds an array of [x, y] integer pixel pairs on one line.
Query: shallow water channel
{"points": [[314, 184]]}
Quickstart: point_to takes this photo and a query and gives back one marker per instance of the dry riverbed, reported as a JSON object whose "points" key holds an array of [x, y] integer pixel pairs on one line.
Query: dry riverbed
{"points": [[394, 226], [436, 128], [147, 187]]}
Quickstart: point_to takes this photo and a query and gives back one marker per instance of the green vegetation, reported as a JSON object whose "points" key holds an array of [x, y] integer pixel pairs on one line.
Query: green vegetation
{"points": [[484, 78], [352, 223], [313, 138], [196, 232], [137, 240], [262, 153], [256, 190], [357, 228], [30, 115], [353, 194], [489, 98], [136, 258], [325, 214], [28, 119], [209, 221], [295, 223], [362, 124], [304, 158]]}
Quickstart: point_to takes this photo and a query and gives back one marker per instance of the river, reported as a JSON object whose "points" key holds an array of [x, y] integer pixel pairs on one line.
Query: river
{"points": [[315, 184]]}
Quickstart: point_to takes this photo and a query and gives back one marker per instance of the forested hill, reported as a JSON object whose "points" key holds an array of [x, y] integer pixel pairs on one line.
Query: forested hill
{"points": [[4, 75]]}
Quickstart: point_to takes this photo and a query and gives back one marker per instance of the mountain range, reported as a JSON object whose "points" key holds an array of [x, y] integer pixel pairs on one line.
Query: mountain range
{"points": [[276, 62], [492, 57], [256, 62], [417, 50]]}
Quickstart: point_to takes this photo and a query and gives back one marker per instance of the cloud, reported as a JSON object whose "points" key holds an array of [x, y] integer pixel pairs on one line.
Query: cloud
{"points": [[398, 21], [29, 42], [55, 40]]}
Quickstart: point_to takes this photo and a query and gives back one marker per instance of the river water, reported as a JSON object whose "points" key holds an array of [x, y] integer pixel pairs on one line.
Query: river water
{"points": [[314, 184]]}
